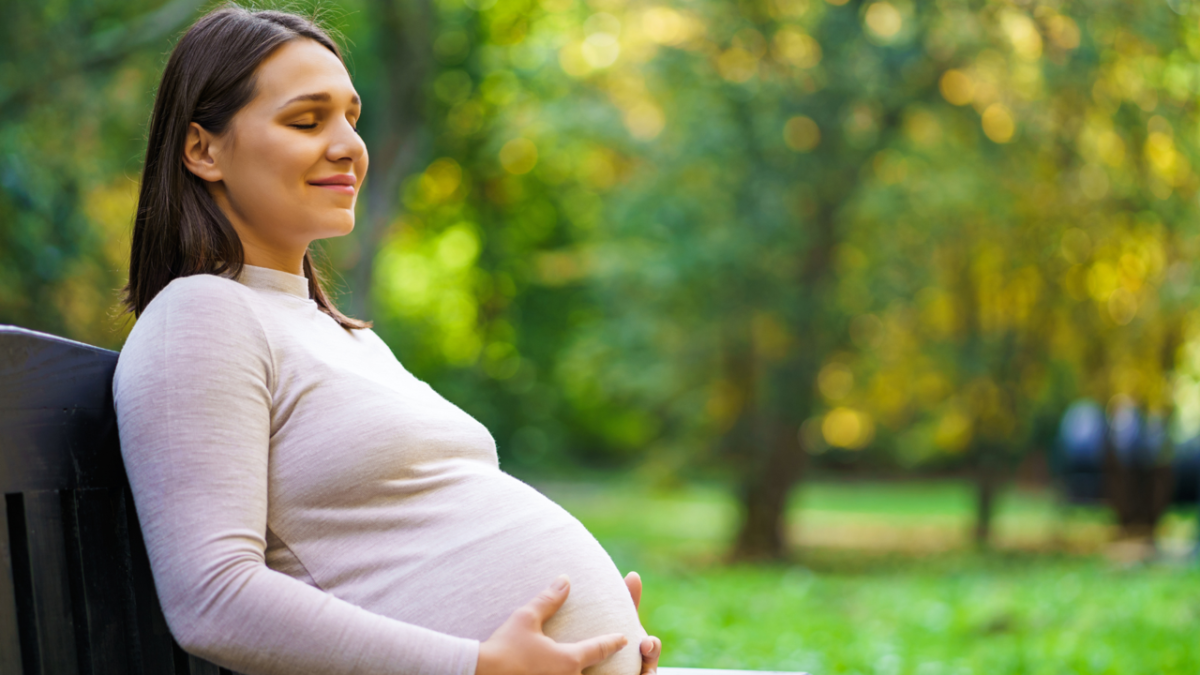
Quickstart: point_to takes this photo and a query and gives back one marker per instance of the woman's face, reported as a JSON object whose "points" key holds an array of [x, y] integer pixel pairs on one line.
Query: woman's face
{"points": [[288, 168]]}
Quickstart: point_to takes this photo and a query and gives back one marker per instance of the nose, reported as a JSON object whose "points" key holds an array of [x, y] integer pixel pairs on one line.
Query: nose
{"points": [[346, 144]]}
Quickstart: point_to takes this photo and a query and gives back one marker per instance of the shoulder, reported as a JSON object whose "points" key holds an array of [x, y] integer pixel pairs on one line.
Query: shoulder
{"points": [[199, 331], [368, 336], [202, 309], [200, 289], [372, 341], [200, 298]]}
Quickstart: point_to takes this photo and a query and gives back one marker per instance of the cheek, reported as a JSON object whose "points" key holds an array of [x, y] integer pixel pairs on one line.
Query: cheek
{"points": [[280, 163]]}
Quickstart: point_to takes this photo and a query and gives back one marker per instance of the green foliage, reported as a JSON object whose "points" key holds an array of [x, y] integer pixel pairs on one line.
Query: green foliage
{"points": [[920, 229], [75, 88], [700, 232]]}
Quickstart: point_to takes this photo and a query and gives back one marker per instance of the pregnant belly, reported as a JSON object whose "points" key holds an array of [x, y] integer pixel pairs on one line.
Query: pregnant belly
{"points": [[461, 558]]}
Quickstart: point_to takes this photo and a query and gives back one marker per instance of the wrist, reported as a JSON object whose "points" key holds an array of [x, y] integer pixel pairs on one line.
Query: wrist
{"points": [[485, 663]]}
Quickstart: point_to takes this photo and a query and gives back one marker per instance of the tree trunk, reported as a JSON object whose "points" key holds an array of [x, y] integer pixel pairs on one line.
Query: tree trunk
{"points": [[776, 464], [774, 467], [1138, 493], [987, 482], [764, 497]]}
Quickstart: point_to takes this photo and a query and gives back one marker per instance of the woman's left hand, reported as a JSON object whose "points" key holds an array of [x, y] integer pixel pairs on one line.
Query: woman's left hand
{"points": [[651, 646]]}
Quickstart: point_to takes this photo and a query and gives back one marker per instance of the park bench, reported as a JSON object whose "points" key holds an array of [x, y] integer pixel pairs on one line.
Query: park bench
{"points": [[76, 593]]}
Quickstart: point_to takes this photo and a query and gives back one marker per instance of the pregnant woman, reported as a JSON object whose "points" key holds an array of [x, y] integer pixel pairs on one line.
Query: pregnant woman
{"points": [[308, 505]]}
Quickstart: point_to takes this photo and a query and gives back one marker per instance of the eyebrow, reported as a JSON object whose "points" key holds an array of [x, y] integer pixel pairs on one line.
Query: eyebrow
{"points": [[323, 96]]}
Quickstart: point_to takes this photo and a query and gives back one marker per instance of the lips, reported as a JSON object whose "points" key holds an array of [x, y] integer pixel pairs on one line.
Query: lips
{"points": [[342, 182]]}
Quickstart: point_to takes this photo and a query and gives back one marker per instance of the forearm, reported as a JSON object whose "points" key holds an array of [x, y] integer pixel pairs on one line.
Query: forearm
{"points": [[259, 622]]}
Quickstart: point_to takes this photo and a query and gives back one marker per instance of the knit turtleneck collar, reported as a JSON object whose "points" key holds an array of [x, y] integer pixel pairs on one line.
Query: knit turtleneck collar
{"points": [[274, 280]]}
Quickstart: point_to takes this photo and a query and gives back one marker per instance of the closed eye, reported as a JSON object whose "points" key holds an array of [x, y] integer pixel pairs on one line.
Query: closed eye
{"points": [[314, 126]]}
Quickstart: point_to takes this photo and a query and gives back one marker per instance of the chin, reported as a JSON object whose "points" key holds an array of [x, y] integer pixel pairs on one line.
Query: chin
{"points": [[338, 228]]}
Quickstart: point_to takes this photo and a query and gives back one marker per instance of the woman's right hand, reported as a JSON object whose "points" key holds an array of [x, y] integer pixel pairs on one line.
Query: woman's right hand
{"points": [[519, 647]]}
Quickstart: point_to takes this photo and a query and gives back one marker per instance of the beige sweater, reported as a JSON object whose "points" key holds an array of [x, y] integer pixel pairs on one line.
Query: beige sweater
{"points": [[310, 507]]}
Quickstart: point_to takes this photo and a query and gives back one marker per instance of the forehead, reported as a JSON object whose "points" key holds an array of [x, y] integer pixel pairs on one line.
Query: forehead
{"points": [[301, 66]]}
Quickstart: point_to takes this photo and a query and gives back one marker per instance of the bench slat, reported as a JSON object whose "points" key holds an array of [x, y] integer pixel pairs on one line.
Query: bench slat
{"points": [[56, 414], [10, 644], [198, 666], [99, 564], [53, 620], [153, 642]]}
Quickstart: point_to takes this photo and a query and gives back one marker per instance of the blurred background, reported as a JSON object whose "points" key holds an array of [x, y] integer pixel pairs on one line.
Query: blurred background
{"points": [[866, 331]]}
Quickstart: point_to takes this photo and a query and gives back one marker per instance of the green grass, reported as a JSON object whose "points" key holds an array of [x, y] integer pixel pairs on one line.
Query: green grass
{"points": [[841, 609]]}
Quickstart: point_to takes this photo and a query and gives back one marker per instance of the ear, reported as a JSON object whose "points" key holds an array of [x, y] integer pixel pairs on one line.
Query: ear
{"points": [[200, 153]]}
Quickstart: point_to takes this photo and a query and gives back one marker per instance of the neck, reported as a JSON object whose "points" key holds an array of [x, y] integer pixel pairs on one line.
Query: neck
{"points": [[258, 252], [271, 259]]}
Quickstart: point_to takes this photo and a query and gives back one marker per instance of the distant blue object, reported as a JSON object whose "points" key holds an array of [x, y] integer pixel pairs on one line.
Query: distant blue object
{"points": [[1137, 440], [1150, 446], [1125, 433], [1081, 433]]}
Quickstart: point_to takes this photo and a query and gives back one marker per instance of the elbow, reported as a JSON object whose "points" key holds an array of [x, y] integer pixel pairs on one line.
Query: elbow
{"points": [[198, 632], [204, 617], [192, 640]]}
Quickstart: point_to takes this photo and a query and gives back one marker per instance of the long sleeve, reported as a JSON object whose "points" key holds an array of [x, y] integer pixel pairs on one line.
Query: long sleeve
{"points": [[193, 395]]}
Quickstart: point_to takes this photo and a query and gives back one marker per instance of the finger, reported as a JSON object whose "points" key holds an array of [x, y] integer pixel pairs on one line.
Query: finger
{"points": [[634, 582], [651, 649], [550, 600], [597, 649]]}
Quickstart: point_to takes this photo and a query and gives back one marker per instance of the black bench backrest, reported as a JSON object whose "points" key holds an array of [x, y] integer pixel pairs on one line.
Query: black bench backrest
{"points": [[76, 593]]}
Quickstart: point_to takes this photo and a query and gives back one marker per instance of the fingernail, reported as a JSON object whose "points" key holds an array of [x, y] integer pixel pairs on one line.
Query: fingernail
{"points": [[560, 583]]}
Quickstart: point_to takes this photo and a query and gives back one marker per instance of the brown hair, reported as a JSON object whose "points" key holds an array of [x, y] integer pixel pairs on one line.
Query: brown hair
{"points": [[179, 230]]}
